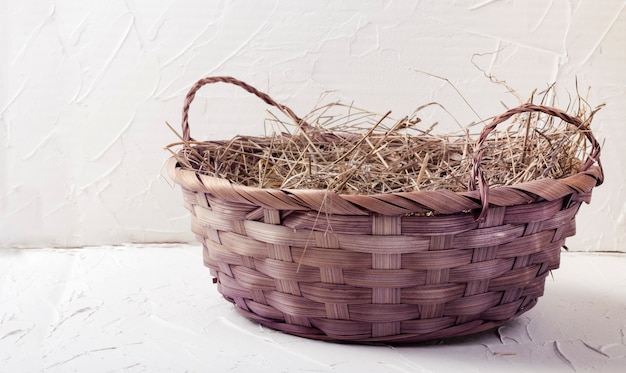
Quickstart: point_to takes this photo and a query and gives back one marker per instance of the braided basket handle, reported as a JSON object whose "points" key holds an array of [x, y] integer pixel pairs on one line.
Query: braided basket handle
{"points": [[477, 172], [227, 79]]}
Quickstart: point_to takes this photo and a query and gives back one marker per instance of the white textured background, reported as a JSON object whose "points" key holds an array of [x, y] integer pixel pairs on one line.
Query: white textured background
{"points": [[86, 87]]}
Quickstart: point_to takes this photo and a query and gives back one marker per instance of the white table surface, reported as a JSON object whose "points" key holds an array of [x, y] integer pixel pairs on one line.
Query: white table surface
{"points": [[153, 308]]}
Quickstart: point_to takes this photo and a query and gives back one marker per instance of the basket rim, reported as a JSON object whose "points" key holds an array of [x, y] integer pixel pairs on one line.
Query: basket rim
{"points": [[442, 201]]}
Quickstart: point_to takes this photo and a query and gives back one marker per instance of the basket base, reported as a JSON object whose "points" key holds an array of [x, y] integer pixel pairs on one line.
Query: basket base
{"points": [[454, 331]]}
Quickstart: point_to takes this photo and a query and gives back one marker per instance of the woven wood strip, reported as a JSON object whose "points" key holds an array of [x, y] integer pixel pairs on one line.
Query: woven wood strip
{"points": [[532, 212], [383, 278], [253, 280], [437, 259], [336, 293], [433, 294], [528, 245], [438, 225], [473, 304], [380, 313], [490, 236], [331, 258], [268, 313], [424, 326], [359, 224], [480, 270]]}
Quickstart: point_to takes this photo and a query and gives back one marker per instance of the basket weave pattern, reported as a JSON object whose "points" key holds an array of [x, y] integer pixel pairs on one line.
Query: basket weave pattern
{"points": [[400, 267]]}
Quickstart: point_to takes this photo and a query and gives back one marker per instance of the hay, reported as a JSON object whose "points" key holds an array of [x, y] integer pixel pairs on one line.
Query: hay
{"points": [[353, 151]]}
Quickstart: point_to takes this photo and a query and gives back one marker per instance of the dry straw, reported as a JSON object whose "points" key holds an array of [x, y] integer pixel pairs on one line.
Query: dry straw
{"points": [[350, 225], [352, 151]]}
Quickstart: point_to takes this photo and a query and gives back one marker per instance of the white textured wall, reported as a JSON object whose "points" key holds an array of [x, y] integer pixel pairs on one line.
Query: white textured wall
{"points": [[86, 86]]}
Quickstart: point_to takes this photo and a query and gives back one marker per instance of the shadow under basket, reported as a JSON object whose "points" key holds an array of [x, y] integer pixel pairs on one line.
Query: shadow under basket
{"points": [[392, 268]]}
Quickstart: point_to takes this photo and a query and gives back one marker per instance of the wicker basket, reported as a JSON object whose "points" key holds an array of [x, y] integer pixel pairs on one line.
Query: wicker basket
{"points": [[386, 271]]}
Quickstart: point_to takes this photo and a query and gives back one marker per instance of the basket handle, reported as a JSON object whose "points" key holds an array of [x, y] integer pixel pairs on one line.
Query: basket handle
{"points": [[478, 178], [228, 79]]}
